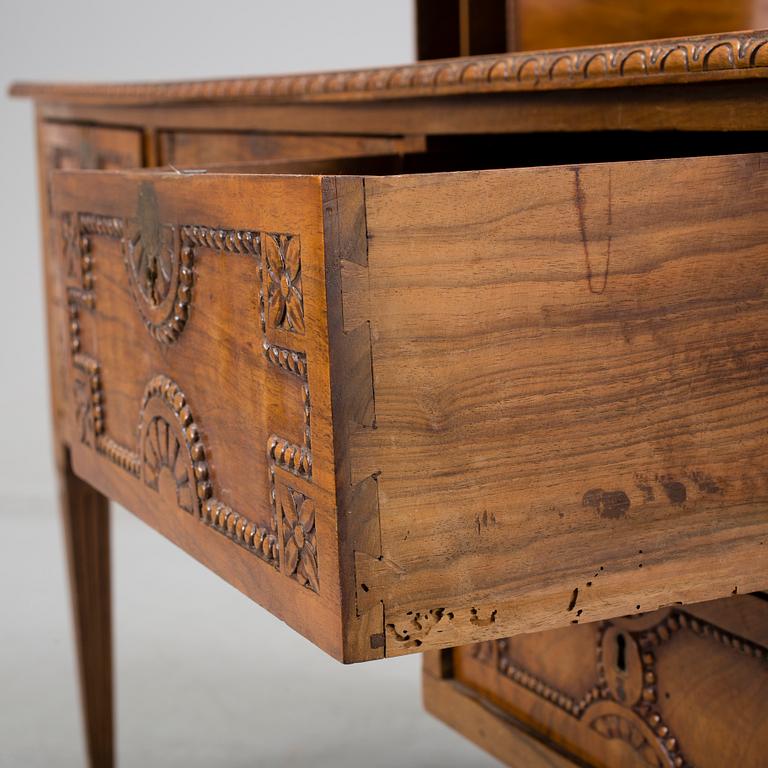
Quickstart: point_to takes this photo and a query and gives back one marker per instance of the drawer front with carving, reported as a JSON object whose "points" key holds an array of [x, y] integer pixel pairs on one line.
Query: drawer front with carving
{"points": [[416, 411], [70, 146], [683, 686], [197, 361]]}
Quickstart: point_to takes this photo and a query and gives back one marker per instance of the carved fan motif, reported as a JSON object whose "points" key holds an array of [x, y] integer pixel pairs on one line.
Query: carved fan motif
{"points": [[152, 264], [616, 726], [162, 451], [159, 269], [286, 302]]}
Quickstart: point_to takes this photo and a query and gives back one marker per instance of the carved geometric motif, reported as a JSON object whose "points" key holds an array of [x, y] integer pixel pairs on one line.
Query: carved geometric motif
{"points": [[633, 718], [170, 442], [170, 452]]}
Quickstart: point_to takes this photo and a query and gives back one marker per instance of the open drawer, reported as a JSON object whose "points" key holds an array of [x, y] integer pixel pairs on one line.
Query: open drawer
{"points": [[417, 411]]}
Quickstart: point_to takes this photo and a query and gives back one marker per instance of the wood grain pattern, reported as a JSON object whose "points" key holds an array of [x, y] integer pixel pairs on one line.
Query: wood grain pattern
{"points": [[460, 28], [568, 368], [488, 726], [84, 511], [563, 23], [69, 147], [538, 404], [216, 432], [203, 148], [731, 107], [85, 519], [677, 687], [676, 60]]}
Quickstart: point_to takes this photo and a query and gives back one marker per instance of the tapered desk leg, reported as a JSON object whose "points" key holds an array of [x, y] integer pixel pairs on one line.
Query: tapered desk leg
{"points": [[85, 514]]}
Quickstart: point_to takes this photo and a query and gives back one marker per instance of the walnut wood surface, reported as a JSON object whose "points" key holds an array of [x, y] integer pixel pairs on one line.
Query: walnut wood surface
{"points": [[537, 398], [186, 148], [412, 412], [705, 58], [446, 28], [488, 726], [684, 686], [569, 393], [471, 27], [85, 519], [532, 24], [199, 338], [84, 511]]}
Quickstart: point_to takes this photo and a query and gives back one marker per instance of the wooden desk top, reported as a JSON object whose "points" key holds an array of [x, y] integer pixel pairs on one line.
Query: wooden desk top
{"points": [[706, 58]]}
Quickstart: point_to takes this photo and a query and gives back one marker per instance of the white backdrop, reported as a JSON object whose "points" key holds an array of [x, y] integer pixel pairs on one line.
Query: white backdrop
{"points": [[204, 676]]}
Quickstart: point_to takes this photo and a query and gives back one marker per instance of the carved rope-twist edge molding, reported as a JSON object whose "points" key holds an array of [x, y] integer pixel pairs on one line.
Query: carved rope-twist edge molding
{"points": [[169, 329], [248, 243], [608, 65]]}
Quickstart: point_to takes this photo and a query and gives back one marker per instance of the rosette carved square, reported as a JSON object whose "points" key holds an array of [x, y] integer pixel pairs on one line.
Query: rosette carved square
{"points": [[297, 518], [285, 298]]}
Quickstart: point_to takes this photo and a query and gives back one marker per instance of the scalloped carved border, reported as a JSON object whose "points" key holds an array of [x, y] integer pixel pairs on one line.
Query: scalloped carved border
{"points": [[168, 437], [652, 61]]}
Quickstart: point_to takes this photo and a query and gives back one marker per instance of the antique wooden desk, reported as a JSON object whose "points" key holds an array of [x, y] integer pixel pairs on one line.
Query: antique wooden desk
{"points": [[432, 356]]}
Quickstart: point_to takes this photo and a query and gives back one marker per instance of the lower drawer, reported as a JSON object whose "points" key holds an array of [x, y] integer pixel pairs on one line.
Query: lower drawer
{"points": [[684, 686], [415, 411]]}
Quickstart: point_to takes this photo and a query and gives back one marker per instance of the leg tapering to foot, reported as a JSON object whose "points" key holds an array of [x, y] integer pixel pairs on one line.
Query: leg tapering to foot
{"points": [[85, 515]]}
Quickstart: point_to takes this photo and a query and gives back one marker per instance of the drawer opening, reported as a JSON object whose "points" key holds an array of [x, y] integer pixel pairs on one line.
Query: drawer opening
{"points": [[454, 153]]}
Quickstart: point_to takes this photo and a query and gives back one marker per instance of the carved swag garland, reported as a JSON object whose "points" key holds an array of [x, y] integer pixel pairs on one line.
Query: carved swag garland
{"points": [[159, 259]]}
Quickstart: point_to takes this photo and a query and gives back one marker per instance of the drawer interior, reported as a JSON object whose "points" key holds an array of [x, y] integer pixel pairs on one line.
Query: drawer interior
{"points": [[453, 153]]}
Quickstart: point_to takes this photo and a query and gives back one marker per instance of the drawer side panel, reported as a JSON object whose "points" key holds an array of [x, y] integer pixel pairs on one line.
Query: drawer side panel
{"points": [[569, 367]]}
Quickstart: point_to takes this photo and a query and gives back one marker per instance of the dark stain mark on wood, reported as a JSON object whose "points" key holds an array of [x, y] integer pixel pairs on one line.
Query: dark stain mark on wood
{"points": [[597, 278], [378, 641], [608, 504], [675, 491], [574, 598], [645, 488], [705, 483]]}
